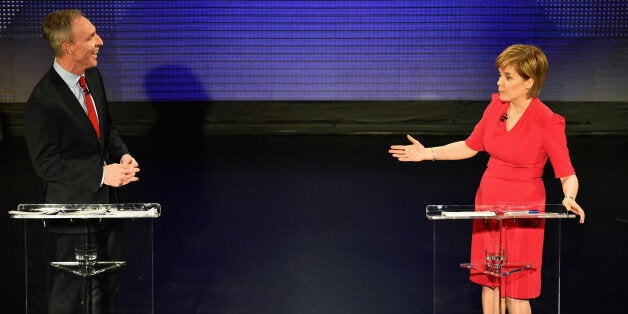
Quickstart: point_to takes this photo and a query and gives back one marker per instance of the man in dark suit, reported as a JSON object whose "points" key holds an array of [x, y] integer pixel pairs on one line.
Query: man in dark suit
{"points": [[75, 149]]}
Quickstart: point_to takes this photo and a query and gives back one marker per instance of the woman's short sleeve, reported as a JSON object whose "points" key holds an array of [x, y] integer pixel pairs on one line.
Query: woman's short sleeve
{"points": [[475, 141], [555, 144]]}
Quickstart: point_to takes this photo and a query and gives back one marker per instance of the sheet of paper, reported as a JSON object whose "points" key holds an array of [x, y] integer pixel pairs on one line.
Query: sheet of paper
{"points": [[486, 213]]}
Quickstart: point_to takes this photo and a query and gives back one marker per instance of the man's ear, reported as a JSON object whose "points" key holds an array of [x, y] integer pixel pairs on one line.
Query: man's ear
{"points": [[67, 48]]}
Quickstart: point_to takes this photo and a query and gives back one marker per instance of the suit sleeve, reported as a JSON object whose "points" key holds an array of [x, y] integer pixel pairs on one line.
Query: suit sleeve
{"points": [[116, 147]]}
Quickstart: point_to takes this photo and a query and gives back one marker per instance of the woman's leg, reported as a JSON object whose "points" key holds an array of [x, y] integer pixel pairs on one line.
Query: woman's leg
{"points": [[491, 301], [518, 306]]}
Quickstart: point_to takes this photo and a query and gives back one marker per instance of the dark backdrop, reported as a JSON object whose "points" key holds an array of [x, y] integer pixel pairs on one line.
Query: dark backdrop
{"points": [[323, 223]]}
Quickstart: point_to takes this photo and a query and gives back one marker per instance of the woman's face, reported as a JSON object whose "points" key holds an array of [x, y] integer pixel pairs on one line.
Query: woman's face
{"points": [[511, 86]]}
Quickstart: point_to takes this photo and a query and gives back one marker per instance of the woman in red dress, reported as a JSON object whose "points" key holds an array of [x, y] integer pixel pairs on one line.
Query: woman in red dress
{"points": [[520, 134]]}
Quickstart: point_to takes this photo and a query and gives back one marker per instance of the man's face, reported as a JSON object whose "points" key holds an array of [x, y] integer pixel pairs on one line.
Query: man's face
{"points": [[84, 46]]}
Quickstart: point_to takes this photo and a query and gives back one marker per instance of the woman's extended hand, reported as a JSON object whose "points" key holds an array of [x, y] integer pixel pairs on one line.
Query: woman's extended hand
{"points": [[414, 152]]}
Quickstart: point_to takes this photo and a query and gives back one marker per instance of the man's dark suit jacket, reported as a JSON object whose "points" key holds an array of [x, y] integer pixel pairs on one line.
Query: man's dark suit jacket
{"points": [[63, 146], [66, 153]]}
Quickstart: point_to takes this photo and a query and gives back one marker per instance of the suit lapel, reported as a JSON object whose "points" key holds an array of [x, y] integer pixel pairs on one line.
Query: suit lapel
{"points": [[71, 100]]}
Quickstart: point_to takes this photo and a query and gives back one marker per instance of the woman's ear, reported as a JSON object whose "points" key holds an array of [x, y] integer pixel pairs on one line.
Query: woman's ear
{"points": [[529, 83]]}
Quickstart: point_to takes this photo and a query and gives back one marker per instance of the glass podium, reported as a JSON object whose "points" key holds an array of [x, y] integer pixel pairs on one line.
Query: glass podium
{"points": [[453, 292], [90, 266]]}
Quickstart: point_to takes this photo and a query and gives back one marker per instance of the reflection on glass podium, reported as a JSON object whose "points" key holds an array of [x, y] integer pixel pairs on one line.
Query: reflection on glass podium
{"points": [[65, 249], [452, 228]]}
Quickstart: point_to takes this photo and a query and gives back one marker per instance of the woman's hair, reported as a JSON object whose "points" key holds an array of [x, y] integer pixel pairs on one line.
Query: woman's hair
{"points": [[57, 28], [529, 62]]}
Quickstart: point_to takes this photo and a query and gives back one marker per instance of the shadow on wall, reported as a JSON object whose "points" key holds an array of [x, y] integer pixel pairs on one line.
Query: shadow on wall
{"points": [[173, 171], [180, 101]]}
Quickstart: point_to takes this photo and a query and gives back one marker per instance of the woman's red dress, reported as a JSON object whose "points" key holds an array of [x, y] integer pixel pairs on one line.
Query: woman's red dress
{"points": [[514, 177]]}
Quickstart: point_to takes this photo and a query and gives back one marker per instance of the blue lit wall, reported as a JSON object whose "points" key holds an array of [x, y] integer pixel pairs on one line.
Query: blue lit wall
{"points": [[327, 50]]}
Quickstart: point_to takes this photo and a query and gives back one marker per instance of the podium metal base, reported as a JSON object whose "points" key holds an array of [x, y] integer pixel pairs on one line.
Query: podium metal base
{"points": [[87, 271], [506, 269]]}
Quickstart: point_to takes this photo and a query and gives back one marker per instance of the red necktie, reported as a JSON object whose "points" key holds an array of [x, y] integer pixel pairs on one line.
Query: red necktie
{"points": [[91, 112]]}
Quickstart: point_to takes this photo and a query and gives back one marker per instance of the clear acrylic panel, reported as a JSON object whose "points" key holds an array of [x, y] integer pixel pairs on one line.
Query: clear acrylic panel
{"points": [[123, 260], [453, 292]]}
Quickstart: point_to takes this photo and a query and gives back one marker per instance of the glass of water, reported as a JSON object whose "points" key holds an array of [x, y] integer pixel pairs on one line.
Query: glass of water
{"points": [[495, 258], [86, 254]]}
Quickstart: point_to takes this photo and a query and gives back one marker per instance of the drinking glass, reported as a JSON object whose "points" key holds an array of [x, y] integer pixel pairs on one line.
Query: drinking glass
{"points": [[495, 258], [86, 254]]}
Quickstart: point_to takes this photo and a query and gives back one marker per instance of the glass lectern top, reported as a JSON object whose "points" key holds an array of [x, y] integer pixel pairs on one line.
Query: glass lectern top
{"points": [[65, 211], [437, 212]]}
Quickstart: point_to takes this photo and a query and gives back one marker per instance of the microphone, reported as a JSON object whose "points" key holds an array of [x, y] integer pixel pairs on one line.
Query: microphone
{"points": [[86, 91], [504, 117]]}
